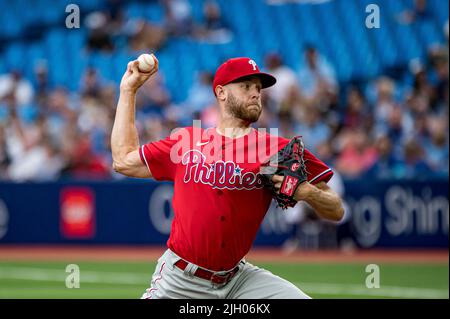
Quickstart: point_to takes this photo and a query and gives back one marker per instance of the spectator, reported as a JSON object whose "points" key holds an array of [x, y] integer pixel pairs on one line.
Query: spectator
{"points": [[313, 130], [383, 167], [293, 106], [438, 59], [200, 95], [99, 37], [326, 151], [436, 148], [422, 96], [94, 119], [209, 116], [58, 113], [214, 29], [213, 17], [4, 156], [108, 101], [115, 12], [42, 83], [385, 101], [82, 162], [146, 37], [317, 77], [286, 80], [200, 103], [153, 129], [357, 154], [286, 126], [33, 154], [90, 85], [154, 96], [420, 131], [413, 164], [178, 16], [357, 113], [14, 83], [397, 127], [417, 13]]}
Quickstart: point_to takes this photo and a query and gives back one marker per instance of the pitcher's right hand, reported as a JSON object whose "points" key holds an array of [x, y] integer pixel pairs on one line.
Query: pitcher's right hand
{"points": [[133, 79]]}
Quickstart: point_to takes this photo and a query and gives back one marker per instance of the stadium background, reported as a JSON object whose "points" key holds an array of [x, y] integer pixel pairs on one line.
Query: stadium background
{"points": [[371, 102]]}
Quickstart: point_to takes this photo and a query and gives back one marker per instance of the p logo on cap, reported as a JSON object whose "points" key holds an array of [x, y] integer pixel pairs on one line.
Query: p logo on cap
{"points": [[237, 68]]}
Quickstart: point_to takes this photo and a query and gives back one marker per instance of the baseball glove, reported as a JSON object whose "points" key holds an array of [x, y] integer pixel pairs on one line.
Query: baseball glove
{"points": [[289, 163]]}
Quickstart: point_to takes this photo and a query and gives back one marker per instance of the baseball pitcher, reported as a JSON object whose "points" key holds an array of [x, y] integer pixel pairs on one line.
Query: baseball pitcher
{"points": [[225, 178]]}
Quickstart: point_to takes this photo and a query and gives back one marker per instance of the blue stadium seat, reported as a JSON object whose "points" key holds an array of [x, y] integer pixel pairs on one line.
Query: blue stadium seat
{"points": [[335, 27], [14, 56]]}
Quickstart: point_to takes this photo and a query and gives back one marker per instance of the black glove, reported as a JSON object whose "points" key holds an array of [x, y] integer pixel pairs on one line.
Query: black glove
{"points": [[290, 164]]}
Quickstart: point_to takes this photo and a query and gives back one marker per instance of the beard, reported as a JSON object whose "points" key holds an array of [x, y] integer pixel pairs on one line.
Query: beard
{"points": [[241, 110]]}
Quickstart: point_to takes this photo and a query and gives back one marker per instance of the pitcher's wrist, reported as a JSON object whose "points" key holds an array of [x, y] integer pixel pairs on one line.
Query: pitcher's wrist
{"points": [[303, 191], [127, 91]]}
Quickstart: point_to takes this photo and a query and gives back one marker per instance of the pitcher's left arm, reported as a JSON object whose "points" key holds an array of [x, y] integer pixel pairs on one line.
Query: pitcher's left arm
{"points": [[325, 202]]}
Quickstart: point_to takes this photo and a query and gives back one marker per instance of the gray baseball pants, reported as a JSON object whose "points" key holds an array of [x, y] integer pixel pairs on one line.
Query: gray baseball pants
{"points": [[250, 282]]}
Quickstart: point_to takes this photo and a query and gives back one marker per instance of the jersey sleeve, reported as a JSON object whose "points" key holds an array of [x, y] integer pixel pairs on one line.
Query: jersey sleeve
{"points": [[160, 158], [317, 171]]}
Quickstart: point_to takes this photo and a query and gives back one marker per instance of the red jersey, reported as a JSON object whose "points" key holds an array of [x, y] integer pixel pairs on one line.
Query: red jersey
{"points": [[219, 200]]}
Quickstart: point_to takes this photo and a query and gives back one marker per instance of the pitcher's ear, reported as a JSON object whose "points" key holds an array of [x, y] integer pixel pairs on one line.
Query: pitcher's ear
{"points": [[220, 93]]}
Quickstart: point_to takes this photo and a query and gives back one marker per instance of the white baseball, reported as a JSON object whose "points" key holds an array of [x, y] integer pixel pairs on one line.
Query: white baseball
{"points": [[146, 62]]}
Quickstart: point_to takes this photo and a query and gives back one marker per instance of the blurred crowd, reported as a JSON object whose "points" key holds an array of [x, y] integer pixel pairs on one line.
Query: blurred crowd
{"points": [[385, 128], [110, 28], [392, 126]]}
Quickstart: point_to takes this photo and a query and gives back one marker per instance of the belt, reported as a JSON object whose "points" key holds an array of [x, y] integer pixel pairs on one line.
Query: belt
{"points": [[209, 275]]}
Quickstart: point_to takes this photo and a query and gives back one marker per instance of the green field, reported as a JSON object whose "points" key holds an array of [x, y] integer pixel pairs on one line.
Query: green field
{"points": [[129, 279]]}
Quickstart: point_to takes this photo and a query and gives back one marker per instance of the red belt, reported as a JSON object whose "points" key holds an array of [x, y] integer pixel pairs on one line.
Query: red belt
{"points": [[209, 275]]}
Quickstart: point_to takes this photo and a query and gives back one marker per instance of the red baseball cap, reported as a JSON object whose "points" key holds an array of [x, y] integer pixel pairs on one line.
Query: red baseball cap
{"points": [[236, 68]]}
